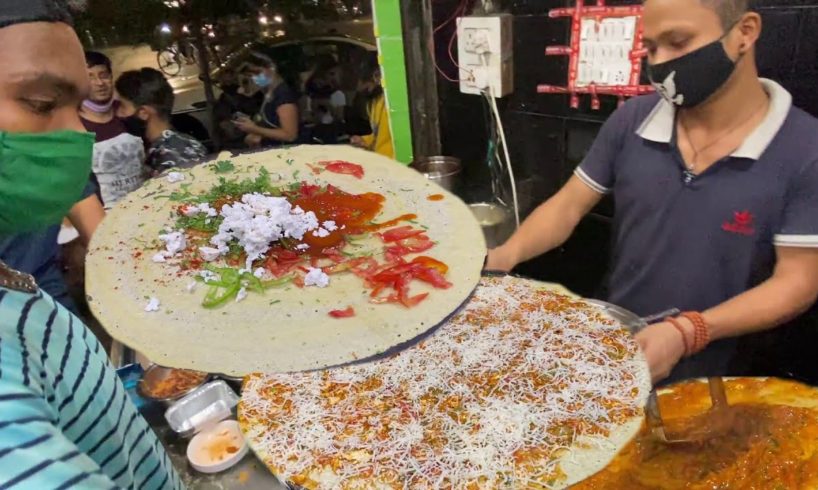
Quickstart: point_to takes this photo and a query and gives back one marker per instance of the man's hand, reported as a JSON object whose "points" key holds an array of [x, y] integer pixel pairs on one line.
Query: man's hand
{"points": [[663, 347], [500, 259], [246, 125]]}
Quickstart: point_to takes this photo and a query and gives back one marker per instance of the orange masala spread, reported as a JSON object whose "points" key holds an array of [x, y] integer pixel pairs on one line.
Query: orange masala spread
{"points": [[178, 381], [772, 445]]}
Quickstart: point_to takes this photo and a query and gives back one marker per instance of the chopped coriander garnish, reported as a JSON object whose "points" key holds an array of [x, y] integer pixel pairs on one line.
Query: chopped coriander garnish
{"points": [[222, 166]]}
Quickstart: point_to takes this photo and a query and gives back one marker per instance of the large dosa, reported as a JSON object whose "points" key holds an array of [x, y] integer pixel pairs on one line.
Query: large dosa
{"points": [[523, 389], [284, 329]]}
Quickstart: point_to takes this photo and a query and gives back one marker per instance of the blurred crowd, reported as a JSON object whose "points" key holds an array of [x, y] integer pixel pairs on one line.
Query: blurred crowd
{"points": [[261, 107]]}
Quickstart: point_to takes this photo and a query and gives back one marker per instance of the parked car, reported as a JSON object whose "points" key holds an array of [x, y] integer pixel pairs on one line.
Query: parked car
{"points": [[293, 56]]}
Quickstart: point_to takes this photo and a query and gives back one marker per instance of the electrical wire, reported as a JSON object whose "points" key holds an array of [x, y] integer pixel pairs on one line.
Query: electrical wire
{"points": [[458, 12], [504, 144], [493, 105], [493, 160]]}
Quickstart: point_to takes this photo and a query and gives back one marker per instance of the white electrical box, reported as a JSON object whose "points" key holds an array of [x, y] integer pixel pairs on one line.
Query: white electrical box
{"points": [[484, 54]]}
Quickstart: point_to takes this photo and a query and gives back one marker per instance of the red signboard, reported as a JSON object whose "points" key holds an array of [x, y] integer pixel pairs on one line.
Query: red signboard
{"points": [[595, 64]]}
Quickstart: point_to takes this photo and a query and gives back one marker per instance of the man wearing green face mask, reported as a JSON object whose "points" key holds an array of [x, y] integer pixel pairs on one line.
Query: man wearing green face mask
{"points": [[65, 419]]}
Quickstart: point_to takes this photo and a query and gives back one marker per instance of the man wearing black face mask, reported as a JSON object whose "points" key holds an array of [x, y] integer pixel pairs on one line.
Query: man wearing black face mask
{"points": [[145, 105], [716, 186]]}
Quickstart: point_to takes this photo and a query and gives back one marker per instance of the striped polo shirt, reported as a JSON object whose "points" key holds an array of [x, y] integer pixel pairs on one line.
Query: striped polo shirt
{"points": [[65, 419], [692, 242]]}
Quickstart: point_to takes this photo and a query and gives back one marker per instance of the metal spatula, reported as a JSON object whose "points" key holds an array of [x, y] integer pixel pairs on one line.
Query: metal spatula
{"points": [[717, 420]]}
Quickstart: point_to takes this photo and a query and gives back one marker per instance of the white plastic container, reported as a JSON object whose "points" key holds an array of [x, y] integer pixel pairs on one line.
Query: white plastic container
{"points": [[218, 444], [217, 448]]}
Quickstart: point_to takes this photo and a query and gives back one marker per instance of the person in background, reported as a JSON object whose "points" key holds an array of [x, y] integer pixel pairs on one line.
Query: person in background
{"points": [[239, 97], [145, 106], [324, 89], [370, 89], [716, 184], [119, 156], [65, 418], [277, 122]]}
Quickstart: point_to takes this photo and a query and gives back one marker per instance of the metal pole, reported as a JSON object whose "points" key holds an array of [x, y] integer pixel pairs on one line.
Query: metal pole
{"points": [[416, 19], [204, 70]]}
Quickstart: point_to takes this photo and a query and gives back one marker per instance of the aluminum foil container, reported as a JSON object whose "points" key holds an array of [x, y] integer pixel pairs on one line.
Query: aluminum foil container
{"points": [[202, 408]]}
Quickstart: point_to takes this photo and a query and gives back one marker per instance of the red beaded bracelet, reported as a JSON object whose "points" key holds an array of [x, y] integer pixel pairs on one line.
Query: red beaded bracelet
{"points": [[701, 332], [678, 326]]}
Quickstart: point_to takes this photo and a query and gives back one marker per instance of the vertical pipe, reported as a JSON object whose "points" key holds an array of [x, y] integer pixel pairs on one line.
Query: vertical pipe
{"points": [[386, 16]]}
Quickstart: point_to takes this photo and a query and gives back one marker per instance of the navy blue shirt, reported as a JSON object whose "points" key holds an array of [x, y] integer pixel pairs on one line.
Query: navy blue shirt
{"points": [[280, 96], [695, 243], [37, 253], [268, 114]]}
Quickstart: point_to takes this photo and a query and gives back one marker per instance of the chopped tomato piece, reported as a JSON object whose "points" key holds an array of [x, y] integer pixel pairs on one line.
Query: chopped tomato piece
{"points": [[431, 276], [392, 274], [400, 275], [333, 254], [345, 313], [365, 267], [308, 190], [399, 233], [280, 261], [395, 252], [431, 263], [415, 243], [420, 243], [340, 167], [386, 299], [414, 300]]}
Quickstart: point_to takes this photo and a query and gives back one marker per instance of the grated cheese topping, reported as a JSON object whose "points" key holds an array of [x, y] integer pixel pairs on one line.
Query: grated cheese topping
{"points": [[174, 177], [493, 399], [153, 305], [259, 220], [316, 277], [175, 242]]}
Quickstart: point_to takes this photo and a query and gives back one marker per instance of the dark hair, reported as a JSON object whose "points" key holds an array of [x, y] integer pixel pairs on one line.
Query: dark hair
{"points": [[261, 60], [729, 11], [95, 58], [369, 68], [146, 87]]}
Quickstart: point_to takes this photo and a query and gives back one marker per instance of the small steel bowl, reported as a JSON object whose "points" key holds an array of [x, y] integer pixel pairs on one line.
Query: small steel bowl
{"points": [[156, 373], [444, 171]]}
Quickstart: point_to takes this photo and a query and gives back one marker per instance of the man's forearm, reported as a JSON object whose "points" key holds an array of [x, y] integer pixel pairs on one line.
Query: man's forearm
{"points": [[86, 216], [765, 306], [546, 228], [551, 224]]}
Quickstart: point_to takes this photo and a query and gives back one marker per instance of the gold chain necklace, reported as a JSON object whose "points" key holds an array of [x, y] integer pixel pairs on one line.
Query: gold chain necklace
{"points": [[697, 151]]}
